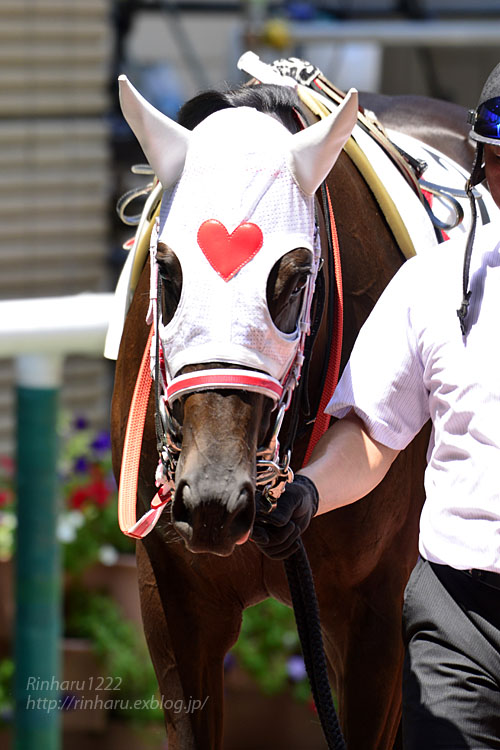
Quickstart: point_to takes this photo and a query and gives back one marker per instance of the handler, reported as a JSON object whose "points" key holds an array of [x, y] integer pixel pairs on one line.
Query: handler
{"points": [[414, 360]]}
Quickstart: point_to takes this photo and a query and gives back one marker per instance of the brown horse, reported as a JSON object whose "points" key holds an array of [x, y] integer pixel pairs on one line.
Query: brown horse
{"points": [[361, 555]]}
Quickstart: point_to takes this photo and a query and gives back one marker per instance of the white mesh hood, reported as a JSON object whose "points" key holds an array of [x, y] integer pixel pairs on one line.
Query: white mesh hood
{"points": [[235, 172]]}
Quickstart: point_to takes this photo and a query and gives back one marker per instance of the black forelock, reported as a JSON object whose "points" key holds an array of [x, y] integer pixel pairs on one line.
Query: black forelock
{"points": [[266, 98]]}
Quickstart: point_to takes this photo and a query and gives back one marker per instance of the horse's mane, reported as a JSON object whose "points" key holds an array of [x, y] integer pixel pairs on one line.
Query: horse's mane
{"points": [[281, 101]]}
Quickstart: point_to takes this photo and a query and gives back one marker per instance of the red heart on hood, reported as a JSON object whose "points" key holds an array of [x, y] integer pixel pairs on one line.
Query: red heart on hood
{"points": [[225, 252]]}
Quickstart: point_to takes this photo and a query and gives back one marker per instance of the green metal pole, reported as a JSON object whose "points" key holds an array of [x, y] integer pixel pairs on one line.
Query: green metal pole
{"points": [[38, 565]]}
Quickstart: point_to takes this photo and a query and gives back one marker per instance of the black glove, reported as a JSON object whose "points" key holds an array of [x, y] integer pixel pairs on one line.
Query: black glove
{"points": [[277, 534]]}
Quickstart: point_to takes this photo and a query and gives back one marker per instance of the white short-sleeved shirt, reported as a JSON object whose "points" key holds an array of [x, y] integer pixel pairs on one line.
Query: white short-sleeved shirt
{"points": [[411, 363]]}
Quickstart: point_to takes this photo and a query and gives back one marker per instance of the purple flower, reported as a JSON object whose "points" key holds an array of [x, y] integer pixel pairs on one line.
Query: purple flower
{"points": [[80, 423], [102, 442], [81, 465], [229, 661], [296, 668]]}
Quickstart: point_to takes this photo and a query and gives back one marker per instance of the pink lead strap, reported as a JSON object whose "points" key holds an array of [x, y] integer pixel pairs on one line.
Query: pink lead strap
{"points": [[127, 491], [148, 521]]}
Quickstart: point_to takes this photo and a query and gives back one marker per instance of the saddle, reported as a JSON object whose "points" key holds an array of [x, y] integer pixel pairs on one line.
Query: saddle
{"points": [[320, 97]]}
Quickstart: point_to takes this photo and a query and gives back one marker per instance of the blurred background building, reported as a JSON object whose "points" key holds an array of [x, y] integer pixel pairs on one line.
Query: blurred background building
{"points": [[66, 153], [55, 176]]}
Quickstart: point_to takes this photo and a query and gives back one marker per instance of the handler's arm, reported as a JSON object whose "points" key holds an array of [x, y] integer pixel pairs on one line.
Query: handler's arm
{"points": [[347, 463]]}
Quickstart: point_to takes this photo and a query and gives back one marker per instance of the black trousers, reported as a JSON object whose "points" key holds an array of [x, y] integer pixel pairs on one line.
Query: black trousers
{"points": [[451, 677]]}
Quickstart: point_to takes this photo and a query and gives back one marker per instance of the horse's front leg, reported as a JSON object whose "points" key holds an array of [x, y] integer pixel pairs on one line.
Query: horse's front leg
{"points": [[192, 617]]}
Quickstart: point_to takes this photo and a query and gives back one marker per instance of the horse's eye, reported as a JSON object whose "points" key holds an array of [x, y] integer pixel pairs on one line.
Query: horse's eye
{"points": [[285, 287], [300, 284], [164, 270]]}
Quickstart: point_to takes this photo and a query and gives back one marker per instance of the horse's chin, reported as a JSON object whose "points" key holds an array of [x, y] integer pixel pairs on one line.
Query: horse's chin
{"points": [[198, 549], [221, 547]]}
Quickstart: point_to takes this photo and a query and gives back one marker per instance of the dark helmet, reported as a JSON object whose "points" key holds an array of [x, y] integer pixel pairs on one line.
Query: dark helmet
{"points": [[485, 121]]}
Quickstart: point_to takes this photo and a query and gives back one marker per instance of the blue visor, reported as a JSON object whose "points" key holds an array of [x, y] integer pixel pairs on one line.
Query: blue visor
{"points": [[487, 119]]}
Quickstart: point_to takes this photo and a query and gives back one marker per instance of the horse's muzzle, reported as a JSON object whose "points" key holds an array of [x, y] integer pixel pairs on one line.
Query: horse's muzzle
{"points": [[213, 522]]}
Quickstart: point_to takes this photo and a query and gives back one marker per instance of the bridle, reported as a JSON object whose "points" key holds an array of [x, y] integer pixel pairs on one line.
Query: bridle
{"points": [[272, 466], [273, 470]]}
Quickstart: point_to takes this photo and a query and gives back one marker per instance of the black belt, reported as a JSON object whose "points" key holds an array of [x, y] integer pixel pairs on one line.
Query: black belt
{"points": [[485, 576]]}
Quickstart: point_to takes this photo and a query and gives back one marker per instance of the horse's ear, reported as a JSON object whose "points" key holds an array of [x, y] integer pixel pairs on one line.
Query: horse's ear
{"points": [[163, 140], [315, 150]]}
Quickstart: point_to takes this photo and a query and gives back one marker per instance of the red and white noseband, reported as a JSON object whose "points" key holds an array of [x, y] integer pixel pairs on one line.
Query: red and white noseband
{"points": [[212, 379]]}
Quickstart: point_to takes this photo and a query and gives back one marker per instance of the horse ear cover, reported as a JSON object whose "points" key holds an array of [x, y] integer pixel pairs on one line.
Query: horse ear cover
{"points": [[163, 140], [312, 155], [315, 150]]}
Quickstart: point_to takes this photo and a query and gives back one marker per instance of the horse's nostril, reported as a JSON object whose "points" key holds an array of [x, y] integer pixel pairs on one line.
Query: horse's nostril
{"points": [[242, 521], [241, 501], [181, 511], [210, 521], [186, 494]]}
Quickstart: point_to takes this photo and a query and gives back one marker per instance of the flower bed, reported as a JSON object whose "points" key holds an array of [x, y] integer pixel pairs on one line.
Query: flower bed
{"points": [[87, 528]]}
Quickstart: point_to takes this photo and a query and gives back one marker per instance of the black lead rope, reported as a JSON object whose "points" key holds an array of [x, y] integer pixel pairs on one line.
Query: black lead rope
{"points": [[301, 582], [464, 307], [305, 605]]}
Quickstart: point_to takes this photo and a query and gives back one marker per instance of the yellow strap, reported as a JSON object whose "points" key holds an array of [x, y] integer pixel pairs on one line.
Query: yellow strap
{"points": [[142, 251], [370, 176], [315, 105], [383, 198]]}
